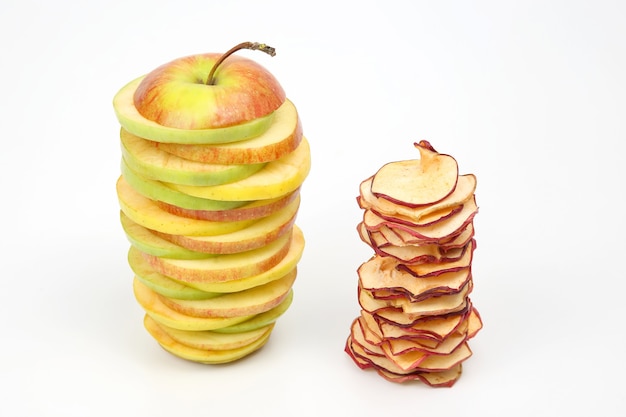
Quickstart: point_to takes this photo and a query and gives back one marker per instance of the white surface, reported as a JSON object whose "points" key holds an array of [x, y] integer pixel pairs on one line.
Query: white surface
{"points": [[527, 95]]}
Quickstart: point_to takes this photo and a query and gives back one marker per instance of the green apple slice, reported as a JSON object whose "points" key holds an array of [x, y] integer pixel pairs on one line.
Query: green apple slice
{"points": [[153, 163], [276, 179], [161, 284], [151, 303], [148, 242], [205, 356], [260, 320], [224, 267], [210, 340], [130, 118], [255, 300], [159, 191], [196, 290], [148, 214]]}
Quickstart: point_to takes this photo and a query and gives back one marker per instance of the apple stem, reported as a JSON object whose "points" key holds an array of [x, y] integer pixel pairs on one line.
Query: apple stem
{"points": [[255, 46]]}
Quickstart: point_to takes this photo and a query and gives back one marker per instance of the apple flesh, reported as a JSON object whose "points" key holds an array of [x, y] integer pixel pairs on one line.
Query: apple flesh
{"points": [[281, 138], [155, 164]]}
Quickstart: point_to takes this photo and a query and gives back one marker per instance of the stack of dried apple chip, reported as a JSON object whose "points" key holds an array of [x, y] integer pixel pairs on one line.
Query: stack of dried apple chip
{"points": [[416, 315], [210, 208]]}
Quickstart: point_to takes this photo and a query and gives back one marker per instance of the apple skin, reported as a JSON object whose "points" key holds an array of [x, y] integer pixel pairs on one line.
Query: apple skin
{"points": [[176, 95]]}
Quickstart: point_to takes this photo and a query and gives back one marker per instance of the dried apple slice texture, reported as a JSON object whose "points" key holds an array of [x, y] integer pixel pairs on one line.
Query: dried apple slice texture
{"points": [[434, 269], [430, 233], [398, 316], [417, 182], [381, 273], [464, 190], [444, 379]]}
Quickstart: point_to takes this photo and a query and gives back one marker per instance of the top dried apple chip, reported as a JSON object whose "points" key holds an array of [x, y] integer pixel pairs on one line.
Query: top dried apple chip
{"points": [[417, 182]]}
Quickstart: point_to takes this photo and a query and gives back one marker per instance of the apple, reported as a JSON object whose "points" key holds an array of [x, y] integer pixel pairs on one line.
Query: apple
{"points": [[258, 234], [211, 340], [249, 211], [149, 242], [199, 290], [153, 163], [158, 191], [243, 303], [205, 356], [148, 214], [161, 284], [417, 182], [154, 307], [276, 179], [223, 267], [202, 98], [281, 138]]}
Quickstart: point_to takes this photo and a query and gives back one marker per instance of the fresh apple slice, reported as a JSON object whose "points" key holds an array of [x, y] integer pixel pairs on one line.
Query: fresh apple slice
{"points": [[250, 211], [417, 182], [130, 118], [147, 213], [161, 284], [204, 356], [223, 267], [210, 340], [154, 307], [276, 179], [244, 303], [260, 320], [158, 191], [148, 242], [464, 190], [153, 163], [282, 137], [197, 290], [256, 235]]}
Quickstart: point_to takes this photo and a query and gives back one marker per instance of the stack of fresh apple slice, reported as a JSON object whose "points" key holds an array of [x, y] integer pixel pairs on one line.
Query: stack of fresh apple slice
{"points": [[416, 315], [213, 159]]}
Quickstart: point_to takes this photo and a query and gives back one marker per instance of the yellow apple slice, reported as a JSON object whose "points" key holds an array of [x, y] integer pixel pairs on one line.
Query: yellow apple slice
{"points": [[148, 214], [417, 182], [147, 160], [260, 320], [147, 241], [252, 237], [199, 290], [204, 356], [223, 267], [159, 192], [161, 284], [154, 307], [244, 303], [134, 122], [248, 211], [282, 138], [276, 179], [210, 340]]}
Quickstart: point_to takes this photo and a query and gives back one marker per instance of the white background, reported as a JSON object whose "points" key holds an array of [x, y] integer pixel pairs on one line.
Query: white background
{"points": [[527, 95]]}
